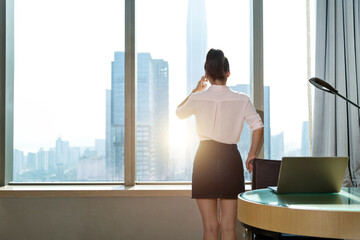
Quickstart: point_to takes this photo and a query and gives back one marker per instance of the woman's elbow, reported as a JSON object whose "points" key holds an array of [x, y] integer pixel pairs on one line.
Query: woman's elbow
{"points": [[259, 131], [179, 114]]}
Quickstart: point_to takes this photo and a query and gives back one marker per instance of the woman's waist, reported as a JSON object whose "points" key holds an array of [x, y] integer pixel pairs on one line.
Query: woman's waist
{"points": [[220, 139], [217, 143]]}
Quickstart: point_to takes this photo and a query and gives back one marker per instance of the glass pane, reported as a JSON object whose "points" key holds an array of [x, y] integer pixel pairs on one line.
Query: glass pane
{"points": [[285, 79], [68, 90], [173, 38]]}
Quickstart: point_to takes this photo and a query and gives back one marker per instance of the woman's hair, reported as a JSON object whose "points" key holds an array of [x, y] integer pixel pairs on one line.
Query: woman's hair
{"points": [[216, 65]]}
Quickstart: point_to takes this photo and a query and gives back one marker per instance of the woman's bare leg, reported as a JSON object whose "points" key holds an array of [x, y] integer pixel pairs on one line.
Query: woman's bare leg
{"points": [[208, 210], [228, 211]]}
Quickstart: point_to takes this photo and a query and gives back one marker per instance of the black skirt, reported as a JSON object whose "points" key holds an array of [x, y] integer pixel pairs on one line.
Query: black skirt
{"points": [[218, 171]]}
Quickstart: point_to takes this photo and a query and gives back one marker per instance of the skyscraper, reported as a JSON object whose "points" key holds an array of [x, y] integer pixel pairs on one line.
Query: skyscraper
{"points": [[277, 149], [42, 160], [31, 161], [196, 49], [108, 143], [196, 42], [62, 158], [115, 161], [145, 119], [152, 119], [19, 164], [161, 98]]}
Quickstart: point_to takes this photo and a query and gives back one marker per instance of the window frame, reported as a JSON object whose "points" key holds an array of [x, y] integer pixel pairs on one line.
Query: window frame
{"points": [[7, 92]]}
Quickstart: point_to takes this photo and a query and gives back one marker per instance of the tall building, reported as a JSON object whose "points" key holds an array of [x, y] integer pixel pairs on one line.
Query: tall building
{"points": [[196, 49], [196, 42], [115, 163], [145, 119], [91, 167], [152, 119], [31, 161], [19, 164], [277, 149], [161, 99], [62, 158], [62, 151], [42, 160], [108, 142]]}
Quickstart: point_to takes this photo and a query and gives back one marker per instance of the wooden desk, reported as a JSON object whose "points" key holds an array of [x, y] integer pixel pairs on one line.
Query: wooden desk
{"points": [[334, 215]]}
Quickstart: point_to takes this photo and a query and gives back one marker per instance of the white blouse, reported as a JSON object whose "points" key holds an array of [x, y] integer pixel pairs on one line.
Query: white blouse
{"points": [[220, 114]]}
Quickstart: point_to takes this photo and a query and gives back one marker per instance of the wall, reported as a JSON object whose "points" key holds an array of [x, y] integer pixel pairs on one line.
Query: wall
{"points": [[104, 218]]}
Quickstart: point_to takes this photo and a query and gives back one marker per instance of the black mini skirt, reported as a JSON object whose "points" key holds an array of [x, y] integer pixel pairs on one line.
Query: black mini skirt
{"points": [[217, 171]]}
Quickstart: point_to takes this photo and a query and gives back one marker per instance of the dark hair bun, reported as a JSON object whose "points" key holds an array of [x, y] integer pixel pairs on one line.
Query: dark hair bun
{"points": [[216, 65]]}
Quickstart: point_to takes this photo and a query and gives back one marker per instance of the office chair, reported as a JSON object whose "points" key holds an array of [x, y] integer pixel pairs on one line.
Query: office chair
{"points": [[265, 173]]}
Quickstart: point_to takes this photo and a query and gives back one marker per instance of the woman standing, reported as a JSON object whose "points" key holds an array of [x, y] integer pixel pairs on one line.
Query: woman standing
{"points": [[218, 171]]}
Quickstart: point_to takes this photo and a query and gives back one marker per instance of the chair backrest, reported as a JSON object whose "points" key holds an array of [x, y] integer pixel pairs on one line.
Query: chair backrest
{"points": [[265, 173]]}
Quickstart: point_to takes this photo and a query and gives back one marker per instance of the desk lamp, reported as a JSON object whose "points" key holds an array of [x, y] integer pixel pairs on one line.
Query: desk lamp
{"points": [[317, 82]]}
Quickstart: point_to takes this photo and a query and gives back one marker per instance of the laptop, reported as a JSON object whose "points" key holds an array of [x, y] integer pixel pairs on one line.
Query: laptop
{"points": [[311, 174]]}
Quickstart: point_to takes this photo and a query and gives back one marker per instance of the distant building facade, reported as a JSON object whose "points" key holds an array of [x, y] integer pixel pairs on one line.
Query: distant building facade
{"points": [[152, 119]]}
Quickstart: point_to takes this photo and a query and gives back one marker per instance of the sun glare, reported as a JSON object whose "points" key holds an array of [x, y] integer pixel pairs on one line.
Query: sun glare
{"points": [[177, 133]]}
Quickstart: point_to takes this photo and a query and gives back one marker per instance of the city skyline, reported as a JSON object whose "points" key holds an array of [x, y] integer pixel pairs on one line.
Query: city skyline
{"points": [[66, 163], [46, 159], [82, 67], [75, 105], [62, 162]]}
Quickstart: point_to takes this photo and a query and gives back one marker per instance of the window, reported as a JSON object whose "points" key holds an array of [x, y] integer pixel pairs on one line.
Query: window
{"points": [[69, 84], [171, 49], [285, 79], [68, 62]]}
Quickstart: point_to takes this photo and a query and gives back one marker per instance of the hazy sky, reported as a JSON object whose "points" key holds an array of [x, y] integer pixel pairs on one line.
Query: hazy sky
{"points": [[64, 49]]}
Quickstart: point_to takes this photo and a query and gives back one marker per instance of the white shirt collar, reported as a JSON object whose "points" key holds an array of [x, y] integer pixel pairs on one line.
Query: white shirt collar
{"points": [[218, 88]]}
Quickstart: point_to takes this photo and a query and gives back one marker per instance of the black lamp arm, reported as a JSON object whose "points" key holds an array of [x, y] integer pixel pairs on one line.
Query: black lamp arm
{"points": [[347, 100]]}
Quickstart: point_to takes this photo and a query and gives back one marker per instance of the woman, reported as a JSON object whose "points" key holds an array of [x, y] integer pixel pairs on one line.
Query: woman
{"points": [[218, 170]]}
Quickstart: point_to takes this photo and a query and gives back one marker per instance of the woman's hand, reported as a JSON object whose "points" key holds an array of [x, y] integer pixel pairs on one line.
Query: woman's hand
{"points": [[255, 144], [201, 85], [248, 162]]}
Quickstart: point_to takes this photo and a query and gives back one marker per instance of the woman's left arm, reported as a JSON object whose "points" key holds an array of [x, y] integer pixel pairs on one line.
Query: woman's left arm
{"points": [[255, 143]]}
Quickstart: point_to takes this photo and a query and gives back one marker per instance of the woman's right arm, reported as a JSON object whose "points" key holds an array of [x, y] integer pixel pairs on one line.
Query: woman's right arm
{"points": [[200, 87], [186, 108]]}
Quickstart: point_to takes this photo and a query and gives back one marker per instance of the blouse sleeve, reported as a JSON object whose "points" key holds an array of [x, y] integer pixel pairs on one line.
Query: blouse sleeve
{"points": [[187, 109], [252, 118]]}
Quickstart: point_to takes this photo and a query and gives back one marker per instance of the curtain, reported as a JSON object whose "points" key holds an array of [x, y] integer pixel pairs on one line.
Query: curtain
{"points": [[336, 129]]}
